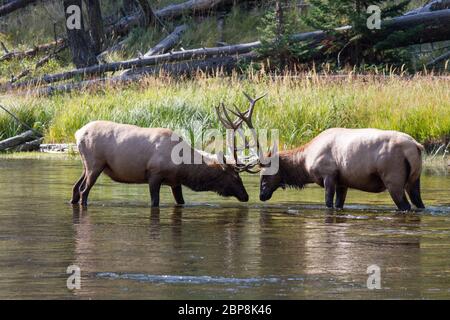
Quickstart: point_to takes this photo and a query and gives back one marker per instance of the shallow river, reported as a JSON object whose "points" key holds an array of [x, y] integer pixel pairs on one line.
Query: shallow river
{"points": [[288, 248]]}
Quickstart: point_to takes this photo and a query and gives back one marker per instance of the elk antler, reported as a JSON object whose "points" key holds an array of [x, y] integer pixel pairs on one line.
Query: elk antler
{"points": [[242, 117]]}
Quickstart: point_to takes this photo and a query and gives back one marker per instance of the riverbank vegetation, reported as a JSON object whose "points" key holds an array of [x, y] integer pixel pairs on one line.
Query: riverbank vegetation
{"points": [[312, 84], [299, 105]]}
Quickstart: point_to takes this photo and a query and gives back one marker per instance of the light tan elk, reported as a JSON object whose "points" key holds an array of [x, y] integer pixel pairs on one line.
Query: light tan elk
{"points": [[370, 160], [130, 154]]}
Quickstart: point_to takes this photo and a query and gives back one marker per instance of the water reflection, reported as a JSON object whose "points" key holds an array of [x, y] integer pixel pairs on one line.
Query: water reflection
{"points": [[213, 247]]}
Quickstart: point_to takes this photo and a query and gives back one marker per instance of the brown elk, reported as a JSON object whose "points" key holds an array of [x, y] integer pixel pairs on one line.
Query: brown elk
{"points": [[370, 160], [130, 154]]}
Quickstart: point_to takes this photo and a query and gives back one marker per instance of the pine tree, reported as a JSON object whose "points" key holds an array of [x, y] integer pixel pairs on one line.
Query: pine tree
{"points": [[360, 45], [278, 25]]}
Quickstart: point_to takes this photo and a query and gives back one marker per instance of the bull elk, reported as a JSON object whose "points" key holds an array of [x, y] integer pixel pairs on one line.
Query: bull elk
{"points": [[370, 160], [130, 154]]}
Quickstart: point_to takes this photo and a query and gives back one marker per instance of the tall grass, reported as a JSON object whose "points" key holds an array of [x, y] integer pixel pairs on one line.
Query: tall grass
{"points": [[298, 106]]}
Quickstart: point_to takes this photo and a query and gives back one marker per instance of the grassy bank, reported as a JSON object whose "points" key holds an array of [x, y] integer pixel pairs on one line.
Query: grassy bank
{"points": [[299, 107]]}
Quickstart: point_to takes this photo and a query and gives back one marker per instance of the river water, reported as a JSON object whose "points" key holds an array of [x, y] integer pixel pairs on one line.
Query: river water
{"points": [[289, 248]]}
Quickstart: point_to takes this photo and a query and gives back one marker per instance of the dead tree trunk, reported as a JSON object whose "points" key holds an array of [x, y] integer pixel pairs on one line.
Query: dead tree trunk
{"points": [[32, 52], [177, 10], [83, 53], [14, 5], [129, 5], [33, 145], [149, 15], [17, 140], [169, 42], [441, 58], [166, 44], [201, 53], [186, 68], [95, 24], [38, 64]]}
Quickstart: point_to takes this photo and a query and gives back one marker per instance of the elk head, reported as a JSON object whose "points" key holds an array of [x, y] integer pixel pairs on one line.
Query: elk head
{"points": [[270, 182]]}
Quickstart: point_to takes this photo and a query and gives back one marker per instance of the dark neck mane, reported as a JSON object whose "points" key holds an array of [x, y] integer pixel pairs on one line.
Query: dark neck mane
{"points": [[201, 177], [292, 168]]}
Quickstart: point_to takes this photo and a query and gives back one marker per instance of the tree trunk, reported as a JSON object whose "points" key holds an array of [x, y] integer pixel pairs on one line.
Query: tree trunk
{"points": [[129, 5], [95, 24], [83, 53], [149, 15], [14, 5], [169, 42]]}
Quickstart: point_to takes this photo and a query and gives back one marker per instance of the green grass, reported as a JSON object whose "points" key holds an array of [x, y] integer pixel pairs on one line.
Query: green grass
{"points": [[298, 107]]}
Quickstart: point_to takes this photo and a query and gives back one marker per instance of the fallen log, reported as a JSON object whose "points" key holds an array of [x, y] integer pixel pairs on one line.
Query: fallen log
{"points": [[33, 145], [143, 62], [177, 10], [210, 66], [14, 5], [437, 21], [34, 51], [17, 140], [431, 6], [124, 25], [441, 58], [191, 7], [116, 47], [167, 43], [38, 64]]}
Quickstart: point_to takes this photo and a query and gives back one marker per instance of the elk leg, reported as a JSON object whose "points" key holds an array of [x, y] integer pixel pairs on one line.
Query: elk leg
{"points": [[178, 194], [88, 183], [414, 194], [155, 187], [395, 184], [398, 195], [341, 194], [76, 189], [330, 188]]}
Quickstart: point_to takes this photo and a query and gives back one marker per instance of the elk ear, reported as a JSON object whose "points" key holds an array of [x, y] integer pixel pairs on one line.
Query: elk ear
{"points": [[273, 151]]}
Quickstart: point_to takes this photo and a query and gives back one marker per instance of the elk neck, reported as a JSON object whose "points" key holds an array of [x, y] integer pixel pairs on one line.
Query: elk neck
{"points": [[201, 177], [292, 169]]}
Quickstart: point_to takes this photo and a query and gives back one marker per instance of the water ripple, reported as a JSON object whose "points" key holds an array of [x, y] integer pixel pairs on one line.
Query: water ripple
{"points": [[188, 279]]}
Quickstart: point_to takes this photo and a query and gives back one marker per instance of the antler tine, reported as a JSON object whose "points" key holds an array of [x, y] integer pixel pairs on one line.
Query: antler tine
{"points": [[234, 124], [223, 114], [221, 119], [249, 113]]}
